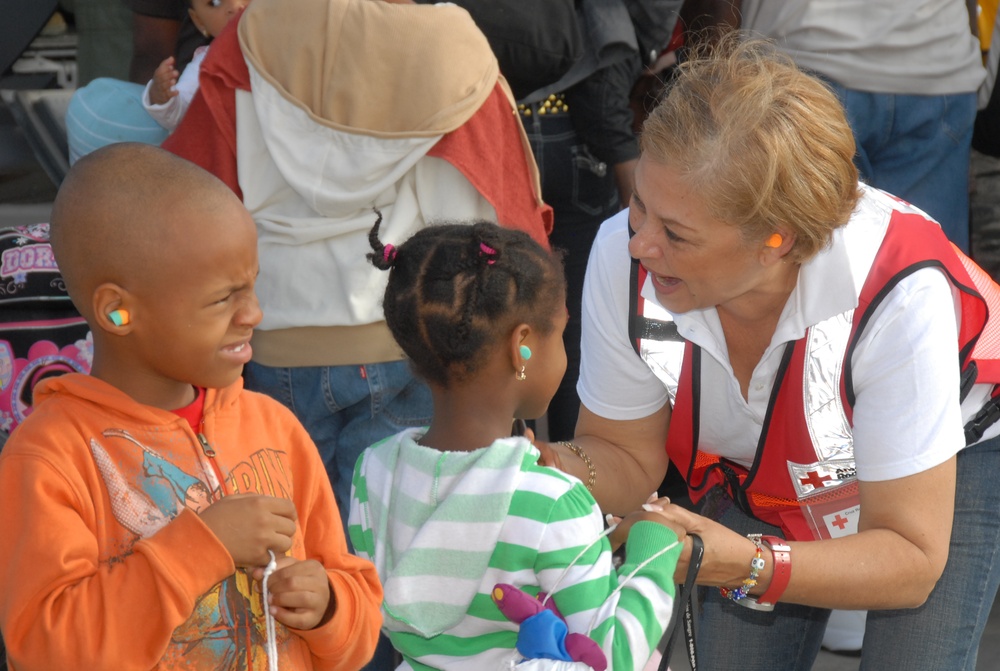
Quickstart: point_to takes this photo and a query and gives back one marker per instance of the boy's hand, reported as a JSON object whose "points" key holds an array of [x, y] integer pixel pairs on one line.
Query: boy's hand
{"points": [[250, 524], [164, 82], [299, 592]]}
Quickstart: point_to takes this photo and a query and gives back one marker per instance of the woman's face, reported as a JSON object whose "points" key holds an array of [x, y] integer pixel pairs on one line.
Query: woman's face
{"points": [[695, 260]]}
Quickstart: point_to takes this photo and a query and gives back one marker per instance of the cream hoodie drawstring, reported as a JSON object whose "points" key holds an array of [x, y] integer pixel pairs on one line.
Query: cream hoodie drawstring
{"points": [[272, 639]]}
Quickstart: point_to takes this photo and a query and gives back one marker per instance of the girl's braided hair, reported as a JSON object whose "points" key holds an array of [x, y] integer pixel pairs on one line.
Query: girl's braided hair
{"points": [[456, 290]]}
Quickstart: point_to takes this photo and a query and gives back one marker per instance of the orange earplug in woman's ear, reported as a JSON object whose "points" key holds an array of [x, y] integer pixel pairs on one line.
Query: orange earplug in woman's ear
{"points": [[774, 241]]}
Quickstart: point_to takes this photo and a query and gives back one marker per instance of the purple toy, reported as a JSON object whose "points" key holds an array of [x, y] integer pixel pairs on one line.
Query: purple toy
{"points": [[543, 631]]}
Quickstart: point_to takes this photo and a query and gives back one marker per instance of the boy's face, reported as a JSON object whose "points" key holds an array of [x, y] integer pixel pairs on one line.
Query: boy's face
{"points": [[193, 315]]}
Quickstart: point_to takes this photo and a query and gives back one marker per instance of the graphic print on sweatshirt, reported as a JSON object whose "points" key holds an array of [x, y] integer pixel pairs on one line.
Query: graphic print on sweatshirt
{"points": [[226, 630]]}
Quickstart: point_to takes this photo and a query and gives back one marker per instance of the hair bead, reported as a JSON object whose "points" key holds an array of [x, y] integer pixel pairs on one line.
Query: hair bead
{"points": [[389, 254], [488, 252]]}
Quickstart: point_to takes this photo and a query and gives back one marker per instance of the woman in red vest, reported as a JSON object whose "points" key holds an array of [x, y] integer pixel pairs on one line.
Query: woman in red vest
{"points": [[818, 360]]}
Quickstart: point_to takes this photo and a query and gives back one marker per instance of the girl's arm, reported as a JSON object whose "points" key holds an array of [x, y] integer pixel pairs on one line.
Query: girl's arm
{"points": [[626, 623]]}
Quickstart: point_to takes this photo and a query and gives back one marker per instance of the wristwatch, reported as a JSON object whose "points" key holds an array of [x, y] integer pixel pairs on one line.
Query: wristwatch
{"points": [[782, 559]]}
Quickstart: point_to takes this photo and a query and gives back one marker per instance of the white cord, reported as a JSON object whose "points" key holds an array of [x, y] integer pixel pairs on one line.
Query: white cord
{"points": [[555, 586], [622, 583], [272, 639]]}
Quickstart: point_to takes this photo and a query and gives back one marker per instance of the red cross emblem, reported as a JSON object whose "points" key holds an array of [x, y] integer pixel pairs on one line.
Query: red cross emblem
{"points": [[839, 521], [813, 478]]}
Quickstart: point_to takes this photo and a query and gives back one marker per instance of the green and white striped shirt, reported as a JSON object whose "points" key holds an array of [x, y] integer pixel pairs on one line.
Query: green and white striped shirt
{"points": [[443, 528]]}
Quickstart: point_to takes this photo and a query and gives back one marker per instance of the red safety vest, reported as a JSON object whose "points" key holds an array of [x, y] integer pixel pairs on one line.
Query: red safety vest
{"points": [[792, 482]]}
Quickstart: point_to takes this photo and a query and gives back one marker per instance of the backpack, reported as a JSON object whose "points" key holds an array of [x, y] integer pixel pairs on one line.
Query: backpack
{"points": [[41, 333]]}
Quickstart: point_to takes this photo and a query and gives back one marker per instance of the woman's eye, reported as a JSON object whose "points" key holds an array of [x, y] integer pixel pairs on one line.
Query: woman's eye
{"points": [[672, 236]]}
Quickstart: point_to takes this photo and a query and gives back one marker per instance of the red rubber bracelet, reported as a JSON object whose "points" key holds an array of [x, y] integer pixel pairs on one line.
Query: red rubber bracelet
{"points": [[782, 554]]}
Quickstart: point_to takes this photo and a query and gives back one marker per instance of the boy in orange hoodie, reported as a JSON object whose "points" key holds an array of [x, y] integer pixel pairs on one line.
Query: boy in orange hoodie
{"points": [[139, 505]]}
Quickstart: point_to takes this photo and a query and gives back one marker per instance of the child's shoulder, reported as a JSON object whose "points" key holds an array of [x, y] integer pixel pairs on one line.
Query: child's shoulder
{"points": [[551, 483], [258, 412], [57, 432], [257, 402]]}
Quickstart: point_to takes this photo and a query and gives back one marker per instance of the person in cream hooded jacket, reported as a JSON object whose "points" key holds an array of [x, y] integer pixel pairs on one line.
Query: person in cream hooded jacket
{"points": [[317, 117]]}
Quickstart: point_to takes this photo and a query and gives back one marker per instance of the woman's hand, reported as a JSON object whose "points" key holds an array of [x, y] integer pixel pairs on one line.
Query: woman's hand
{"points": [[550, 457], [727, 553]]}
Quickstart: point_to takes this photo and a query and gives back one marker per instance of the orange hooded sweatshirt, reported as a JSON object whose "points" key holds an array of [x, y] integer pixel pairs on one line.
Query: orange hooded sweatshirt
{"points": [[106, 563]]}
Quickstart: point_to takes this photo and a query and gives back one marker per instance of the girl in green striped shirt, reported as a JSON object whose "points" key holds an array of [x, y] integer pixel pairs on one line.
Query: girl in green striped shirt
{"points": [[449, 511]]}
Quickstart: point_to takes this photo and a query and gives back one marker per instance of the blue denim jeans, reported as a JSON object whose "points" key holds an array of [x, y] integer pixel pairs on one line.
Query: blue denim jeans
{"points": [[582, 192], [732, 637], [346, 408], [944, 633], [917, 148]]}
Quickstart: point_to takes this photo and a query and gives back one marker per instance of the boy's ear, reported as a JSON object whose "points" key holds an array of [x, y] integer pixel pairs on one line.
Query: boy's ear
{"points": [[108, 298]]}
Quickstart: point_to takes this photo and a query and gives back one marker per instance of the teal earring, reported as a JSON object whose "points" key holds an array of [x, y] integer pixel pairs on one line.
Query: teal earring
{"points": [[525, 352]]}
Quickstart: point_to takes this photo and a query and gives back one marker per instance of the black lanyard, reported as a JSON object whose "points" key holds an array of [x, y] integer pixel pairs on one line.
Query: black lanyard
{"points": [[687, 599]]}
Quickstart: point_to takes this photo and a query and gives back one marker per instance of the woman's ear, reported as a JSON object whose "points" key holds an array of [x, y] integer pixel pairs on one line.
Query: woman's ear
{"points": [[776, 247], [112, 309]]}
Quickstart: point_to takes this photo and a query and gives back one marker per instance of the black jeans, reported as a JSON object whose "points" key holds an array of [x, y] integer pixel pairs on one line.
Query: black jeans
{"points": [[582, 192]]}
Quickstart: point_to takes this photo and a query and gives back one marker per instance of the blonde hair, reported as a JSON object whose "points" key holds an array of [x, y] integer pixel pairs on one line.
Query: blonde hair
{"points": [[766, 144]]}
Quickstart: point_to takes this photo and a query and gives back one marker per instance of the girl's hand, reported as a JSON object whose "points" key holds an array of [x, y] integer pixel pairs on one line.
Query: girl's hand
{"points": [[299, 592], [652, 510], [727, 553], [164, 82]]}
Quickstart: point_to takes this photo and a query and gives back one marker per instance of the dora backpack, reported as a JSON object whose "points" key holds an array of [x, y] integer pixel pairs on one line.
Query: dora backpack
{"points": [[41, 332]]}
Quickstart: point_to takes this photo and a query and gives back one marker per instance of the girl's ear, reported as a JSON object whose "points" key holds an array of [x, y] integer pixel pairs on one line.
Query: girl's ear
{"points": [[519, 345]]}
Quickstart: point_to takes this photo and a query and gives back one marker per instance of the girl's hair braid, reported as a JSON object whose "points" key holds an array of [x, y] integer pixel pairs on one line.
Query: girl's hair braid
{"points": [[456, 290]]}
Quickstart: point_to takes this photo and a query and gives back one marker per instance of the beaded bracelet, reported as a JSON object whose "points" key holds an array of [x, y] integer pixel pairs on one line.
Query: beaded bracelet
{"points": [[591, 469], [756, 566]]}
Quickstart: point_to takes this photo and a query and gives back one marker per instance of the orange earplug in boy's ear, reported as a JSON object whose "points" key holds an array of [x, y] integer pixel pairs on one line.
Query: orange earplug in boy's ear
{"points": [[120, 317]]}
